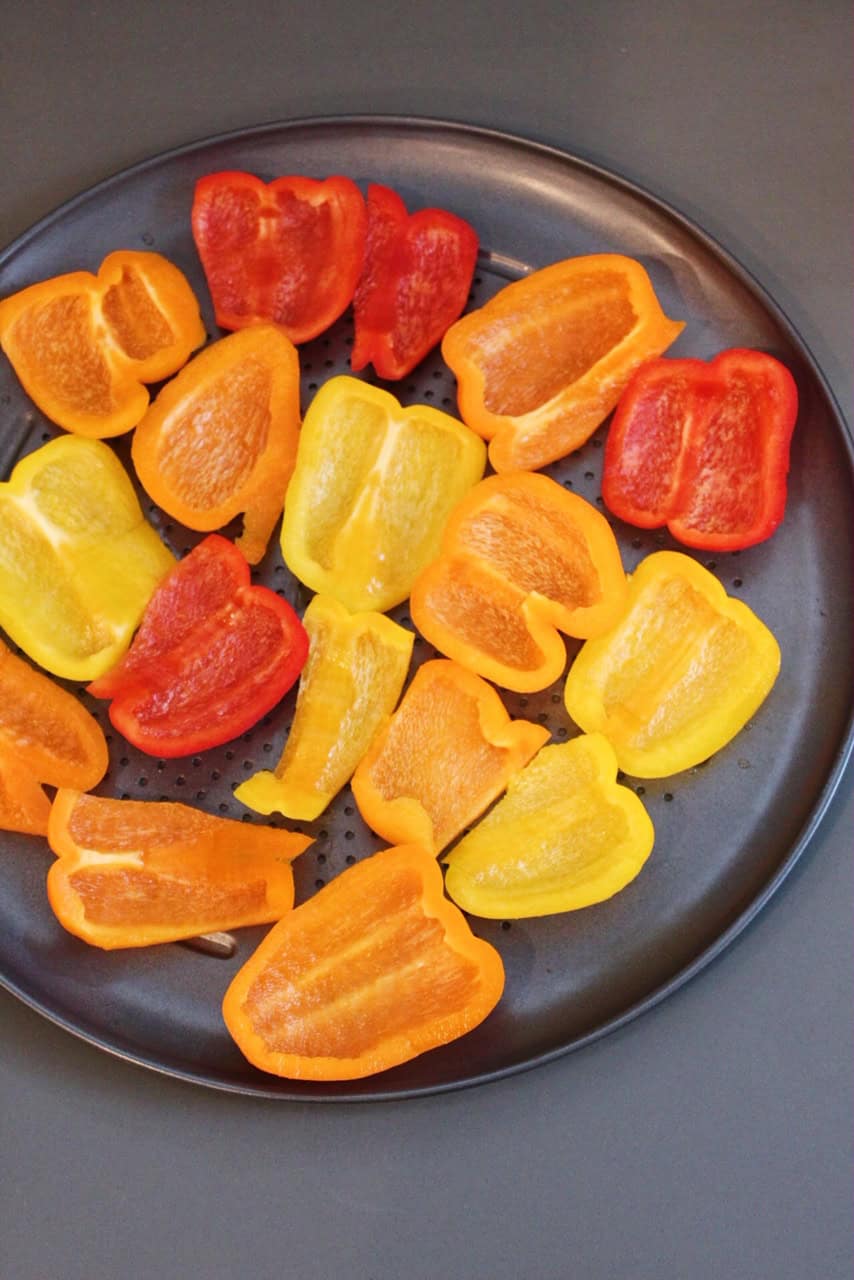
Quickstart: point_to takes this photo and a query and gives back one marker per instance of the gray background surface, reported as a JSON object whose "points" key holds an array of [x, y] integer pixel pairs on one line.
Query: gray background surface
{"points": [[709, 1139]]}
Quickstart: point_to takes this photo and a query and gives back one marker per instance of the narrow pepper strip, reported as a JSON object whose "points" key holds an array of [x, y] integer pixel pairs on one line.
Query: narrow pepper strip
{"points": [[288, 251], [543, 363], [372, 488], [415, 283], [564, 836], [703, 448], [84, 345], [221, 438], [520, 560], [212, 655], [374, 970], [74, 546], [679, 675], [442, 758], [132, 873], [357, 664]]}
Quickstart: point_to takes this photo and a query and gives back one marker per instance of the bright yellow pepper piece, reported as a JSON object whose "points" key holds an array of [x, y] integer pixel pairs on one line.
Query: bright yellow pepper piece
{"points": [[564, 836], [373, 487], [78, 561], [679, 675], [356, 667]]}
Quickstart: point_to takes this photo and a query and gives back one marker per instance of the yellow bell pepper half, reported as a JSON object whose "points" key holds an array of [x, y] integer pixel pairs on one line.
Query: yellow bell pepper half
{"points": [[371, 492], [356, 667], [564, 836], [679, 675], [78, 561]]}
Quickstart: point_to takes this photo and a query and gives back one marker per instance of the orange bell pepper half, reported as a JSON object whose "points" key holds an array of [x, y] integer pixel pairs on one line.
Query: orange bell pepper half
{"points": [[221, 437], [131, 873], [288, 251], [543, 363], [212, 655], [521, 559], [446, 753], [375, 969], [83, 345], [46, 736]]}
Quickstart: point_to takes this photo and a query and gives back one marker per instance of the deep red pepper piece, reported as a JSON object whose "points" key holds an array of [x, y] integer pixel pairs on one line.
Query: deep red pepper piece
{"points": [[703, 448], [415, 283], [288, 251], [212, 655]]}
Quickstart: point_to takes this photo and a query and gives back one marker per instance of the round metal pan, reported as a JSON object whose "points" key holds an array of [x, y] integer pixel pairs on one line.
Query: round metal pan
{"points": [[727, 833]]}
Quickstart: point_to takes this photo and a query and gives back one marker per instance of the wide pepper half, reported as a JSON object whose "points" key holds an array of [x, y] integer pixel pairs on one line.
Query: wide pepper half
{"points": [[357, 664], [221, 437], [679, 675], [543, 363], [414, 284], [371, 491], [212, 655], [703, 448], [449, 749], [375, 969], [83, 345], [521, 559], [288, 251], [564, 836], [78, 561], [46, 736], [131, 873]]}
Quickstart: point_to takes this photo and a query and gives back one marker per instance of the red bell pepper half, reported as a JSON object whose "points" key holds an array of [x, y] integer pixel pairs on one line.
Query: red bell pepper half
{"points": [[703, 448], [415, 283], [288, 251], [212, 655]]}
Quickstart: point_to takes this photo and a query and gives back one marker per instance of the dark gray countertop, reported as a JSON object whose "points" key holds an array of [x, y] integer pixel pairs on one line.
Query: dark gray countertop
{"points": [[709, 1139]]}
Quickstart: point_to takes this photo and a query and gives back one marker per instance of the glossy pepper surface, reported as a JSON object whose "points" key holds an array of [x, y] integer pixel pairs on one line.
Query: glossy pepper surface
{"points": [[371, 491], [288, 251], [564, 836], [520, 560], [679, 675], [212, 655], [543, 363], [131, 873], [46, 736], [357, 664], [703, 448], [83, 345], [78, 561], [415, 283], [221, 437], [375, 969], [442, 758]]}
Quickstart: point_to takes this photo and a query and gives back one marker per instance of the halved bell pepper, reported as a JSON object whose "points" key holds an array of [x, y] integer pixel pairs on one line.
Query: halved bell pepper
{"points": [[703, 448], [543, 363], [83, 345], [131, 873], [414, 284], [212, 655], [564, 836], [356, 667], [221, 437], [679, 675], [442, 758], [289, 251], [78, 561], [46, 736], [371, 491], [521, 559], [375, 969]]}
